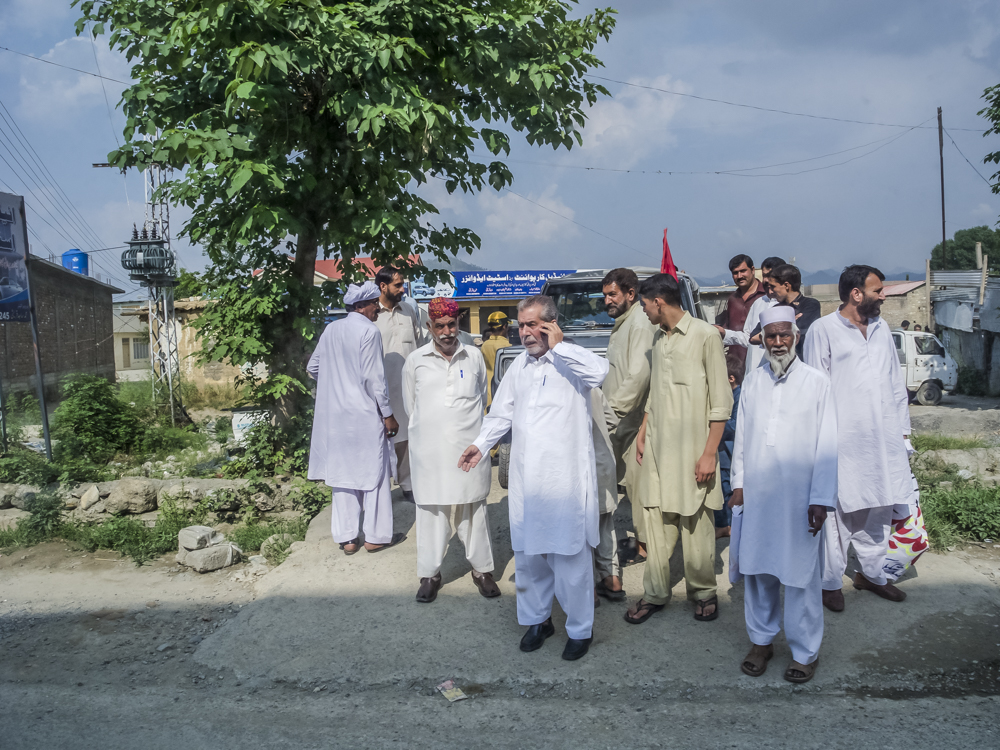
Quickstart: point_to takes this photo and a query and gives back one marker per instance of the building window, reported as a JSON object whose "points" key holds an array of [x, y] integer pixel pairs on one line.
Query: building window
{"points": [[140, 349]]}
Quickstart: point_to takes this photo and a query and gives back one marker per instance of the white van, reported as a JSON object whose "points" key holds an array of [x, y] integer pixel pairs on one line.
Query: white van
{"points": [[928, 368]]}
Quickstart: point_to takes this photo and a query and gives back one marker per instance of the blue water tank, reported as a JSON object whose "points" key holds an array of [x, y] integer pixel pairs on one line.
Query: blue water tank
{"points": [[77, 261]]}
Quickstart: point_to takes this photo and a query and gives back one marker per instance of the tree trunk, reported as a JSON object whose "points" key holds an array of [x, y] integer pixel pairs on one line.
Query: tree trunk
{"points": [[291, 355]]}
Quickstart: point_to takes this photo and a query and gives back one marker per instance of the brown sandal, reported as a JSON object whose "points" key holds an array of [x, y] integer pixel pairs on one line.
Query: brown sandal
{"points": [[800, 673], [755, 662], [398, 537]]}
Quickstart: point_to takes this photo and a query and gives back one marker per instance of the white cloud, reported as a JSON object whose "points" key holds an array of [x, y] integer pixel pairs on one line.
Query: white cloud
{"points": [[510, 217], [633, 123]]}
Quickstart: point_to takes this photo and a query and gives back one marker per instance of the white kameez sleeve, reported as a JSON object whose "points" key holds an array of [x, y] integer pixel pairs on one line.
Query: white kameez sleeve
{"points": [[497, 423], [313, 367], [589, 368], [823, 488], [899, 387], [736, 469], [409, 384], [373, 372], [816, 350]]}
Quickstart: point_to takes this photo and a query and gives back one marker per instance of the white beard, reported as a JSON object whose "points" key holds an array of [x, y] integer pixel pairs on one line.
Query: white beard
{"points": [[780, 364]]}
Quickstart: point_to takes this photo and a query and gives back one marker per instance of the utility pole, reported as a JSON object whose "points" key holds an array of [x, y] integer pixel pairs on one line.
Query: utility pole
{"points": [[944, 236]]}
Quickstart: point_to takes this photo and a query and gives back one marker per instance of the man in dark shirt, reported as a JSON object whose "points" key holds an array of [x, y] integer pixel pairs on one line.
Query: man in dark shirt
{"points": [[786, 281], [748, 289]]}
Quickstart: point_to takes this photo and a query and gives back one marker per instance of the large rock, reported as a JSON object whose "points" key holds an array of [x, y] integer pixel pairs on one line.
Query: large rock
{"points": [[10, 516], [197, 537], [90, 498], [133, 496], [211, 558], [23, 495], [7, 493]]}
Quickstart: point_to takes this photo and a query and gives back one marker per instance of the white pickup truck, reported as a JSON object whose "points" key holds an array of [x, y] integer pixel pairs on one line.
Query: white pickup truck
{"points": [[929, 370]]}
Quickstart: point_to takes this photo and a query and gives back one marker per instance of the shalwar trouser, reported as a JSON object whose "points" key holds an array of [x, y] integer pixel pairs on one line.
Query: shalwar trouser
{"points": [[697, 535], [567, 577], [346, 513], [868, 531], [403, 465], [606, 551], [803, 614], [436, 524]]}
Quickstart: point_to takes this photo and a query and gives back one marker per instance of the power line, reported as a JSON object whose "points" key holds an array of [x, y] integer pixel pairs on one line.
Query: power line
{"points": [[60, 65], [967, 160], [762, 109]]}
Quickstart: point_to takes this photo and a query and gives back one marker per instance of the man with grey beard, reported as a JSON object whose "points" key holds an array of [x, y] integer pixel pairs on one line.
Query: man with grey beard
{"points": [[784, 479]]}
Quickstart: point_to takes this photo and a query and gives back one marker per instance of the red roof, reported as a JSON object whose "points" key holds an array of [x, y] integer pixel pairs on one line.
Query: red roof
{"points": [[899, 288]]}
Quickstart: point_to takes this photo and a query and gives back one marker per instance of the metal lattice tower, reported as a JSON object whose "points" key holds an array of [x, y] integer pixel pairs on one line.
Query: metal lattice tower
{"points": [[150, 261]]}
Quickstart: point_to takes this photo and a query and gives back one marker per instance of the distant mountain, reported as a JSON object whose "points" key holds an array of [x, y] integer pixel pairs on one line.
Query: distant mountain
{"points": [[454, 265]]}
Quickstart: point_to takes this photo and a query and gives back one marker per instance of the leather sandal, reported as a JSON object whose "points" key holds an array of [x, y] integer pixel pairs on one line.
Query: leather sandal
{"points": [[486, 585], [755, 662], [398, 537], [885, 590], [642, 612], [357, 546], [711, 601], [800, 673], [428, 590]]}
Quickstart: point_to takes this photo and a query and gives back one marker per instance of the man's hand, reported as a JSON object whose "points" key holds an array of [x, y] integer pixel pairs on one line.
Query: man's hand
{"points": [[553, 333], [721, 330], [755, 340], [391, 426], [705, 468], [817, 516], [470, 459], [736, 498], [640, 443]]}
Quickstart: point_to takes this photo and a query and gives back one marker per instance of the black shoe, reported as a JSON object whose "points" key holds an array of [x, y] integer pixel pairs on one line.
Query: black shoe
{"points": [[407, 496], [536, 635], [575, 649]]}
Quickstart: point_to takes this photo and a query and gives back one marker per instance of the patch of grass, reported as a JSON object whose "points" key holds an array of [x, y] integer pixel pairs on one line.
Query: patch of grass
{"points": [[44, 523], [966, 511], [222, 396], [161, 439], [946, 442], [249, 536]]}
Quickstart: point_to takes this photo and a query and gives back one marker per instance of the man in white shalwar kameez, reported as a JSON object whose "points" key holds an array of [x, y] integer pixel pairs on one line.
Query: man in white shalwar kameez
{"points": [[544, 400], [402, 334], [444, 391], [784, 475], [854, 346], [353, 423], [755, 351]]}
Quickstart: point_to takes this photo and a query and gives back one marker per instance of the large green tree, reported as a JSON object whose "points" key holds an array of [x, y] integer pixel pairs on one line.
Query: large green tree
{"points": [[961, 251], [303, 128]]}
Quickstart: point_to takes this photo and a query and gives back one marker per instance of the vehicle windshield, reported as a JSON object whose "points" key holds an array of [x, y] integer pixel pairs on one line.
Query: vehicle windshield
{"points": [[580, 305], [928, 345]]}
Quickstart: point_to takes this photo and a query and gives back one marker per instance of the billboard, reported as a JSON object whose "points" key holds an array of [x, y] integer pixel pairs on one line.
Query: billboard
{"points": [[14, 304], [487, 285]]}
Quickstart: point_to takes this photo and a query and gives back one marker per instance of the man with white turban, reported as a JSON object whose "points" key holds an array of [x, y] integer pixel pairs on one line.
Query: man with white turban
{"points": [[444, 392], [353, 423], [784, 479]]}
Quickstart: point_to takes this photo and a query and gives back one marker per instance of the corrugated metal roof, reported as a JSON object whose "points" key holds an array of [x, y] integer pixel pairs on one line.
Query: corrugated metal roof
{"points": [[896, 290], [966, 294], [957, 278]]}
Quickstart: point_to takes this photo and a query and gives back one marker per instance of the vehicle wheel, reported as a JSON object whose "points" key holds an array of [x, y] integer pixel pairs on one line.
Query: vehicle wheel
{"points": [[503, 464], [929, 393]]}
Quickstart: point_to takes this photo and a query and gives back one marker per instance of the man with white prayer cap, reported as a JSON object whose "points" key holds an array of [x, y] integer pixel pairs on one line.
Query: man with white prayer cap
{"points": [[402, 334], [444, 391], [353, 424], [855, 347], [784, 475], [544, 400]]}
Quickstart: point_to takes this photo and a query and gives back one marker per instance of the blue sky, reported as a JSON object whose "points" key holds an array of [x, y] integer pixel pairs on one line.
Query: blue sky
{"points": [[876, 62]]}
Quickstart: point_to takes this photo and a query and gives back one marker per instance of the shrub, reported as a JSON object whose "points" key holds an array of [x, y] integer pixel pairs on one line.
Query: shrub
{"points": [[223, 429], [250, 536], [23, 466], [967, 511], [309, 497], [271, 450], [159, 439], [971, 382], [91, 423]]}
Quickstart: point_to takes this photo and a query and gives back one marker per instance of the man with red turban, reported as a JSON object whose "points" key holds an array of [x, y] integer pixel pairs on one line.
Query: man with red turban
{"points": [[444, 394]]}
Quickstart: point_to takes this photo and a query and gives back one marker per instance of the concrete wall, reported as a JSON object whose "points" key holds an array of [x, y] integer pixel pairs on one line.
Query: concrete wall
{"points": [[74, 327], [895, 309]]}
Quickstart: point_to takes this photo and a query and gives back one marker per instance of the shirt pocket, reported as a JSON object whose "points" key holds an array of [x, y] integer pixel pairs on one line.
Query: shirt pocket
{"points": [[464, 384], [678, 370]]}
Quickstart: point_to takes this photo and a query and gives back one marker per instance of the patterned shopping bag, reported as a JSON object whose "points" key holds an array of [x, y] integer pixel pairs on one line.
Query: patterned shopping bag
{"points": [[907, 542]]}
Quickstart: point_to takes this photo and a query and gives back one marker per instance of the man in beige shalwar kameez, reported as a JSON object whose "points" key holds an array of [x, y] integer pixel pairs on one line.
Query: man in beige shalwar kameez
{"points": [[689, 402], [625, 389]]}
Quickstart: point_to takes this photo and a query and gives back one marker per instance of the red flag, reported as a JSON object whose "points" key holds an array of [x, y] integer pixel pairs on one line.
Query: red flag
{"points": [[667, 265]]}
